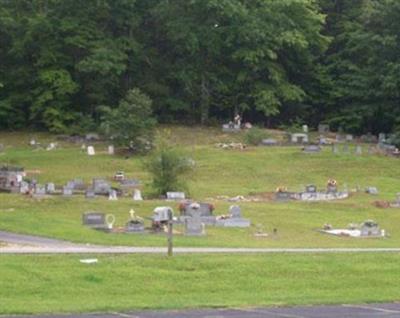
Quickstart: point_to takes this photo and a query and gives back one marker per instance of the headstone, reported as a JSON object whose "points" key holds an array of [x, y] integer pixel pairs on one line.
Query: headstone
{"points": [[134, 226], [51, 146], [91, 151], [50, 187], [101, 186], [1, 147], [358, 150], [90, 194], [299, 138], [370, 228], [331, 188], [323, 128], [382, 137], [338, 137], [111, 150], [67, 191], [335, 148], [311, 188], [349, 137], [129, 183], [40, 190], [269, 142], [323, 140], [194, 227], [235, 211], [79, 184], [119, 176], [282, 196], [305, 128], [24, 187], [312, 149], [346, 148], [371, 150], [175, 196], [371, 190], [137, 195], [112, 196], [94, 219]]}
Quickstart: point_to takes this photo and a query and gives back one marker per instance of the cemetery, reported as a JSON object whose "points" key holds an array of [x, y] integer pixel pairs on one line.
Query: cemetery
{"points": [[231, 199]]}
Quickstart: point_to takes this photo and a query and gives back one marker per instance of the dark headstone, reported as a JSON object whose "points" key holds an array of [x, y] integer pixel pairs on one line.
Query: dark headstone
{"points": [[311, 188], [282, 196], [269, 142], [94, 219]]}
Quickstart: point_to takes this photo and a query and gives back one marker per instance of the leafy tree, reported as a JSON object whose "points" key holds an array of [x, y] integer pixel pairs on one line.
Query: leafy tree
{"points": [[167, 166], [130, 124]]}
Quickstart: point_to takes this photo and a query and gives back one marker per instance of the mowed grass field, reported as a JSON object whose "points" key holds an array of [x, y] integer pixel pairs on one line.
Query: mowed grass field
{"points": [[52, 284], [217, 173], [49, 284]]}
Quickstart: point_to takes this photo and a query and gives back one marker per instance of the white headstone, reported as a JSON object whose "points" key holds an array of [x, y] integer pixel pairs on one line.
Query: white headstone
{"points": [[137, 195], [113, 195], [305, 128], [111, 149], [90, 151]]}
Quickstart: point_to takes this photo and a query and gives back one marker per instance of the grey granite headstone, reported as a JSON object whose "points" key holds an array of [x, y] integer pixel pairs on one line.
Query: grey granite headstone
{"points": [[24, 187], [331, 189], [358, 150], [101, 186], [112, 196], [311, 188], [235, 211], [40, 190], [282, 196], [194, 227], [335, 148], [382, 137], [67, 191], [94, 219], [134, 226], [90, 194], [111, 150], [349, 137]]}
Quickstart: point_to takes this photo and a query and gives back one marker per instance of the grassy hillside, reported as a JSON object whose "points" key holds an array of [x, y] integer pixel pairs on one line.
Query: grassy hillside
{"points": [[218, 173]]}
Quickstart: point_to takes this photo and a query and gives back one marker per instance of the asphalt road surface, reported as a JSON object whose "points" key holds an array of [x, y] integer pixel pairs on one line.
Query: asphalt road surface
{"points": [[341, 311], [28, 244]]}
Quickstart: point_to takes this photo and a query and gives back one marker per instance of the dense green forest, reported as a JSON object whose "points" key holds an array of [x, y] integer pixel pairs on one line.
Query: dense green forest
{"points": [[275, 62]]}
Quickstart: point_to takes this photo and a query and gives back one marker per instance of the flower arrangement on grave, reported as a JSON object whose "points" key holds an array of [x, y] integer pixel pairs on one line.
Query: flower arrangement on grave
{"points": [[332, 183], [281, 189]]}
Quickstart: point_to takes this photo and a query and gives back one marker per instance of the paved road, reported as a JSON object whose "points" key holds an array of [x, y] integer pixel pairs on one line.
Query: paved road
{"points": [[341, 311], [28, 244]]}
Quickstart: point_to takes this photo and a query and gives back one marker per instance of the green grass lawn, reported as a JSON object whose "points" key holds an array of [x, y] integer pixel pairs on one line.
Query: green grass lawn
{"points": [[50, 284], [218, 172]]}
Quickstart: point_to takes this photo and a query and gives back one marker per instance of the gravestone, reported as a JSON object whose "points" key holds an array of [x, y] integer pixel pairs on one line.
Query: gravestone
{"points": [[78, 184], [71, 184], [94, 220], [338, 138], [90, 194], [40, 190], [92, 137], [101, 186], [382, 137], [346, 148], [331, 188], [305, 128], [134, 226], [349, 137], [192, 209], [371, 190], [111, 150], [24, 187], [194, 227], [370, 228], [51, 146], [91, 151], [137, 195], [175, 196], [322, 140], [231, 127], [335, 148], [50, 187], [67, 191], [358, 150], [235, 211], [312, 149], [311, 188], [323, 128], [112, 196], [299, 138], [1, 147], [371, 150], [129, 183], [269, 142], [282, 196]]}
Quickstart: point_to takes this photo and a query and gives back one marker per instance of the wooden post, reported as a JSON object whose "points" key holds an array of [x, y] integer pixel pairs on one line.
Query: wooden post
{"points": [[170, 233]]}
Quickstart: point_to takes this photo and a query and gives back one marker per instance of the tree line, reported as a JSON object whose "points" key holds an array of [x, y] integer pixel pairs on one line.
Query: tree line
{"points": [[277, 63]]}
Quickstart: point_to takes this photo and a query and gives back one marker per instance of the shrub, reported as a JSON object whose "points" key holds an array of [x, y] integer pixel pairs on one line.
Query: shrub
{"points": [[255, 135], [167, 165]]}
